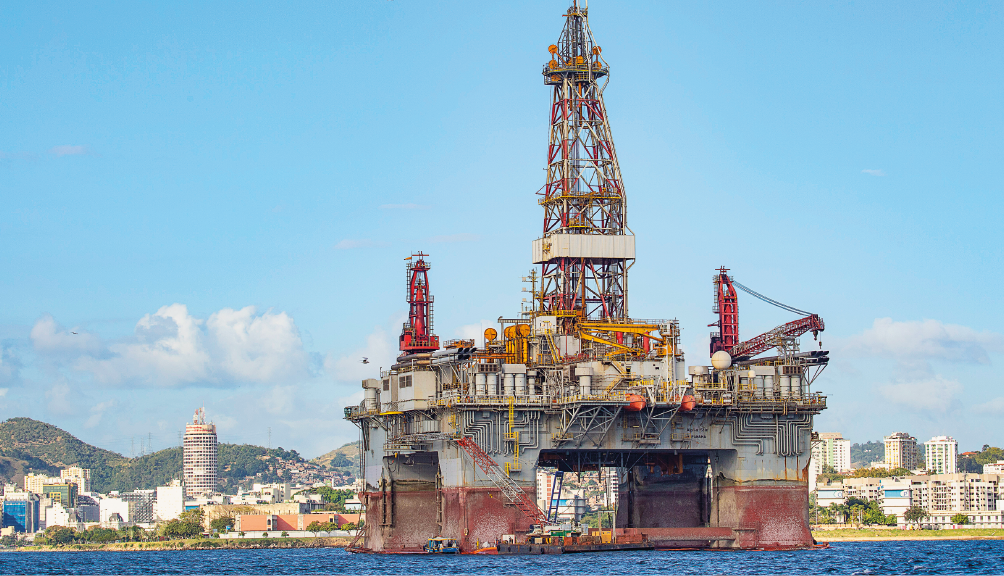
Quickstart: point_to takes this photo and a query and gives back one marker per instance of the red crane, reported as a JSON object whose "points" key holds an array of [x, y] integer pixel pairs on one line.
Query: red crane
{"points": [[727, 308], [416, 335], [768, 340]]}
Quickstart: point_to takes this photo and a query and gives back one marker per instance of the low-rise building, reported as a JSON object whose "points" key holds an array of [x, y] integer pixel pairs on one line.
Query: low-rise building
{"points": [[141, 505], [114, 505], [55, 514], [958, 492], [63, 492], [942, 496], [170, 501], [279, 523], [995, 468], [864, 488]]}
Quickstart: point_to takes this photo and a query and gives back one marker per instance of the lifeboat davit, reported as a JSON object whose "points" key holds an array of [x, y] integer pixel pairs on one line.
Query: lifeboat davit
{"points": [[635, 402], [688, 403]]}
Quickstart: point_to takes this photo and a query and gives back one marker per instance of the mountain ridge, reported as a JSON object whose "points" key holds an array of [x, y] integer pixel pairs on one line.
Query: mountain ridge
{"points": [[28, 445]]}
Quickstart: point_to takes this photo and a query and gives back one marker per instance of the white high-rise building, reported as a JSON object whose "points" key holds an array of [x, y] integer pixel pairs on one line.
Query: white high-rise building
{"points": [[831, 450], [200, 456], [901, 451], [33, 482], [941, 455], [79, 476]]}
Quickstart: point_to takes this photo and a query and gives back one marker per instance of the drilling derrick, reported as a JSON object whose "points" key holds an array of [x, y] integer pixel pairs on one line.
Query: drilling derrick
{"points": [[586, 247], [416, 335]]}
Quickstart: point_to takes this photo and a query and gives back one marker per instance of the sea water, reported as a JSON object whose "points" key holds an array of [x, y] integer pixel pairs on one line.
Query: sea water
{"points": [[894, 557]]}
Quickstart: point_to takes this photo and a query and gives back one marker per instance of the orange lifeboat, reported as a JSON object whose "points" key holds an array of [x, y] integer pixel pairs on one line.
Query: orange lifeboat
{"points": [[635, 403], [688, 403]]}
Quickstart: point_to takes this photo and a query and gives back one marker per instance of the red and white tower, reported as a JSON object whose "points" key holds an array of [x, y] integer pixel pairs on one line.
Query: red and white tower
{"points": [[586, 248], [727, 307], [416, 335]]}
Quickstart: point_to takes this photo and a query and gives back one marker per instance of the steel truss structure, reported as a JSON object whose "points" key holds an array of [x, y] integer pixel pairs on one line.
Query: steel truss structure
{"points": [[584, 192]]}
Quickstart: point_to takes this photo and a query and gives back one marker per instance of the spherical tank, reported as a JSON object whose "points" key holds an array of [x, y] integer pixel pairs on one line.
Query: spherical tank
{"points": [[721, 360]]}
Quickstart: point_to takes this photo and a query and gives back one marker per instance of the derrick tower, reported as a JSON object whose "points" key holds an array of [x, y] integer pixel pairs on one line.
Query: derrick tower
{"points": [[586, 247], [416, 334]]}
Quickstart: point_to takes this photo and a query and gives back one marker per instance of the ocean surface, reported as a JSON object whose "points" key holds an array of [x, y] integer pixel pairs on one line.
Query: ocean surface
{"points": [[908, 557]]}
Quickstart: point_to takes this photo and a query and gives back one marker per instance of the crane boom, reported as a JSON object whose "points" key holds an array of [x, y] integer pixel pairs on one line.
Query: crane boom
{"points": [[769, 339]]}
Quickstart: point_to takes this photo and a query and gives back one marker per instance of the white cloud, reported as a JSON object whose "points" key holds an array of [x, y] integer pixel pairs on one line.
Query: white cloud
{"points": [[97, 411], [404, 207], [475, 332], [917, 342], [257, 348], [67, 150], [994, 406], [50, 338], [350, 244], [63, 399], [10, 366], [171, 348], [455, 238], [937, 394], [280, 400], [3, 392], [873, 172]]}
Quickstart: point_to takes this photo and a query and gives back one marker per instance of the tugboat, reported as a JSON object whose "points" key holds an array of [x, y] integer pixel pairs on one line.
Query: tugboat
{"points": [[440, 545]]}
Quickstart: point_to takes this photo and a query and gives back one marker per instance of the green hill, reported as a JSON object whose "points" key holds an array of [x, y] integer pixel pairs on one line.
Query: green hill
{"points": [[28, 445], [344, 460]]}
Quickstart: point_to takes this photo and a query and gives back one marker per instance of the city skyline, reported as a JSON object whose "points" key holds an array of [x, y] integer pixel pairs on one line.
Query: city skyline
{"points": [[199, 215]]}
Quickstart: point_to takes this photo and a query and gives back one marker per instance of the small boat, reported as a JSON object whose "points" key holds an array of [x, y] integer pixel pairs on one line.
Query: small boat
{"points": [[440, 545]]}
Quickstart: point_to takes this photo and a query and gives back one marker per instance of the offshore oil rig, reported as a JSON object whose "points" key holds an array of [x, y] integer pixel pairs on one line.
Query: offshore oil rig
{"points": [[703, 456]]}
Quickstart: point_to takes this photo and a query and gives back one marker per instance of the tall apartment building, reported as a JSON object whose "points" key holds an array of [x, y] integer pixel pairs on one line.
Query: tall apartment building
{"points": [[200, 456], [33, 482], [831, 450], [941, 455], [901, 451], [79, 476]]}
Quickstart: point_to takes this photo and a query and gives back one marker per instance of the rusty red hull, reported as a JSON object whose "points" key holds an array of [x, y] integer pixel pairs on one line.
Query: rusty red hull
{"points": [[403, 521], [774, 517], [742, 517]]}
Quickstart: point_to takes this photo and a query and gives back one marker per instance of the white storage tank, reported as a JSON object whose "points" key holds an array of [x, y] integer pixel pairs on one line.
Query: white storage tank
{"points": [[520, 384]]}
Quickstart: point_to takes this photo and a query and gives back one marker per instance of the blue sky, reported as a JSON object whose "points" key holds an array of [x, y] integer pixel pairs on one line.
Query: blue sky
{"points": [[217, 199]]}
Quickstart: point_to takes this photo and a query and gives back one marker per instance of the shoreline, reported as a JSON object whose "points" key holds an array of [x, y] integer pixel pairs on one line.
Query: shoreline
{"points": [[822, 536], [196, 544], [877, 535]]}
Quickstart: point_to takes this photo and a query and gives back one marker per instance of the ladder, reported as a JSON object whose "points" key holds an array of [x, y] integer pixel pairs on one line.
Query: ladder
{"points": [[552, 505], [512, 491]]}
